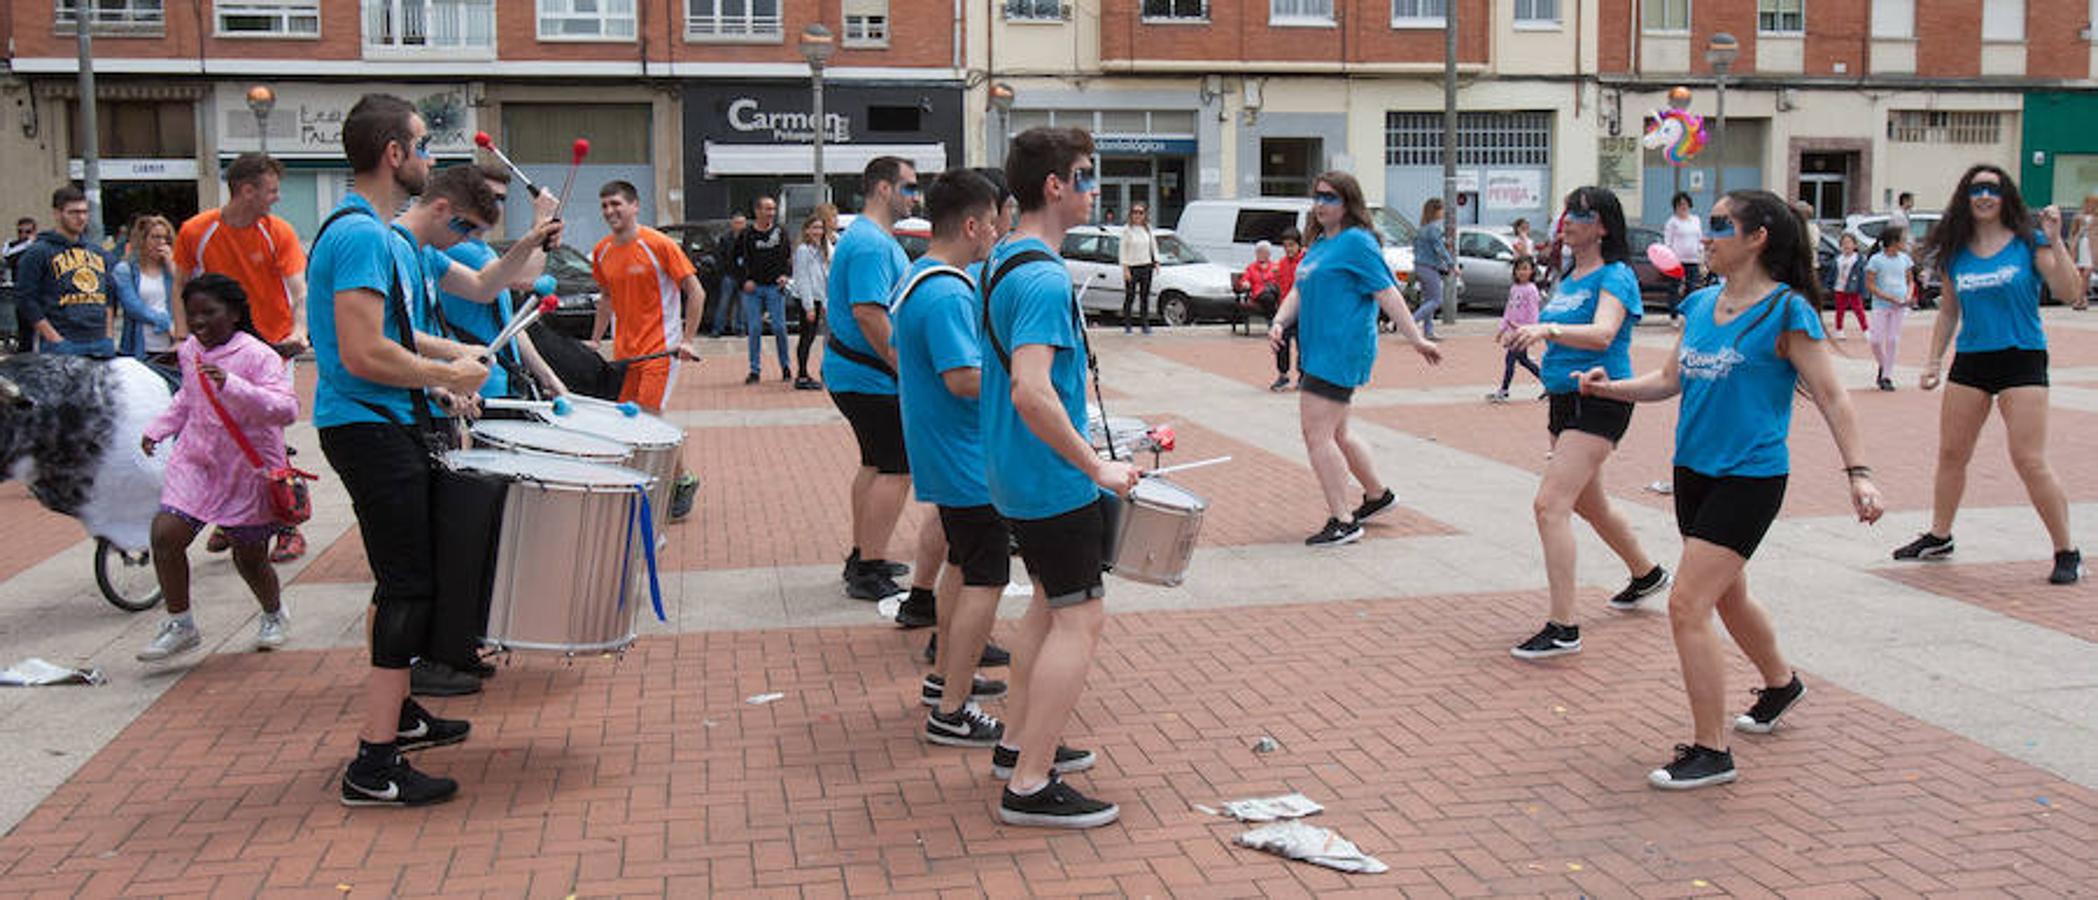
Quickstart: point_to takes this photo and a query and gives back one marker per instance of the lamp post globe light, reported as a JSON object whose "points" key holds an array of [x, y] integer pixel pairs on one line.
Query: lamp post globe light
{"points": [[817, 45], [1001, 97], [1720, 52], [260, 101]]}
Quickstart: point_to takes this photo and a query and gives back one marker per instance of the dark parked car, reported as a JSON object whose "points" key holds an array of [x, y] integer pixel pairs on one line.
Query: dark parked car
{"points": [[698, 240], [574, 287], [1656, 291]]}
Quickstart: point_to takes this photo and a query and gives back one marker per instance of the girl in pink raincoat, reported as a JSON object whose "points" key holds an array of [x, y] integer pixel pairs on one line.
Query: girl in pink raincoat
{"points": [[209, 478]]}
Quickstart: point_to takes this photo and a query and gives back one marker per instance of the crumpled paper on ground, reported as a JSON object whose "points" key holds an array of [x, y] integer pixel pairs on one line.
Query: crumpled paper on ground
{"points": [[35, 672], [1267, 809], [1312, 844]]}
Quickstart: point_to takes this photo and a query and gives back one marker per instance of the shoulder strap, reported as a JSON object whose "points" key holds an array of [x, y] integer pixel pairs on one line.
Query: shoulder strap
{"points": [[399, 306], [911, 286], [990, 285], [232, 427]]}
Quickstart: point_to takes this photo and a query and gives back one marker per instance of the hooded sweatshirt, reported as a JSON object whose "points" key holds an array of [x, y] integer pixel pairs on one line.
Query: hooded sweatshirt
{"points": [[68, 282]]}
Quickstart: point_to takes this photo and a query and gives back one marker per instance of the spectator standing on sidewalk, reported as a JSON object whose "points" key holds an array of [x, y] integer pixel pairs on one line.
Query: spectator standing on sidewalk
{"points": [[1685, 237], [767, 254], [1139, 258], [728, 305], [65, 285], [1432, 265], [811, 288], [145, 278]]}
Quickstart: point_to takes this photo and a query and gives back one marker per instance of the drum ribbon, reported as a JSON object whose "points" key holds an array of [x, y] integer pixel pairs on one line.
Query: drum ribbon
{"points": [[648, 552]]}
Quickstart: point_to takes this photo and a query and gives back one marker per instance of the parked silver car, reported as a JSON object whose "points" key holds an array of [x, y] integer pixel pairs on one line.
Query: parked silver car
{"points": [[1485, 259], [1187, 287]]}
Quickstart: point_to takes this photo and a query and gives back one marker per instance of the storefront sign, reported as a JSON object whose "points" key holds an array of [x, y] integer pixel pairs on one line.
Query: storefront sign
{"points": [[1142, 145], [1617, 163], [307, 120], [137, 169], [1512, 190], [746, 114]]}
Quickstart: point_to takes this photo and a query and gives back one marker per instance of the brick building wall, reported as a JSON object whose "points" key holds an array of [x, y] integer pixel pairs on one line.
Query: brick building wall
{"points": [[1238, 31]]}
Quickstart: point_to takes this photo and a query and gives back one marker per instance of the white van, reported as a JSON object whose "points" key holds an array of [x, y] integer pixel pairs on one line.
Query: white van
{"points": [[1226, 230]]}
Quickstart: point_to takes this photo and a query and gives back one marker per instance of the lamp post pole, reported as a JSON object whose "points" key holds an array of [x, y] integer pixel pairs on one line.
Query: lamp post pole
{"points": [[817, 45], [1001, 115], [1449, 158], [90, 138], [1721, 53]]}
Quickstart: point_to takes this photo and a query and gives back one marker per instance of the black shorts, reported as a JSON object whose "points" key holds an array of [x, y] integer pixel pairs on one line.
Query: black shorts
{"points": [[1996, 371], [877, 421], [1320, 387], [1064, 553], [1599, 416], [1733, 511], [979, 544], [386, 471]]}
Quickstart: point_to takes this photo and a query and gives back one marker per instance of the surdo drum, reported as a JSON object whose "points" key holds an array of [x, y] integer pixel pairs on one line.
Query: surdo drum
{"points": [[567, 552], [1156, 534], [546, 440], [656, 444]]}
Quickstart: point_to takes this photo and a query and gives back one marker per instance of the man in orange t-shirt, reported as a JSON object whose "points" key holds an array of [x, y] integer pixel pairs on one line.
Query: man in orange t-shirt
{"points": [[242, 241], [652, 299]]}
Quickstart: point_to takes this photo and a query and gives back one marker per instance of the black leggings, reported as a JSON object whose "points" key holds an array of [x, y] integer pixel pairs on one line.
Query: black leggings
{"points": [[809, 328], [1136, 292], [1517, 358]]}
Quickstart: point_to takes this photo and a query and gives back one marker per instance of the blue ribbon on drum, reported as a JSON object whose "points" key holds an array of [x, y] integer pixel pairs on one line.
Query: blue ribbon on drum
{"points": [[647, 515]]}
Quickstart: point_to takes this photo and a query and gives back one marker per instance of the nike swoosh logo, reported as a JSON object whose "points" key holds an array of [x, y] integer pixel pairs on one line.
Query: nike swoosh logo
{"points": [[951, 729], [421, 729], [392, 791]]}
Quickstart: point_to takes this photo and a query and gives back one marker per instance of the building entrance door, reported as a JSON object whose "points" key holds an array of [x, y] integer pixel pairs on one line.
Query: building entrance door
{"points": [[1288, 165], [1824, 182], [1124, 181]]}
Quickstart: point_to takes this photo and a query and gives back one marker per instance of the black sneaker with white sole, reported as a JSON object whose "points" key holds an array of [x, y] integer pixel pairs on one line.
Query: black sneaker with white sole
{"points": [[871, 585], [934, 688], [1371, 507], [2068, 567], [1554, 640], [1695, 766], [1771, 703], [1335, 534], [1641, 588], [420, 731], [969, 726], [1067, 761], [1056, 805], [393, 782], [994, 656], [1925, 546]]}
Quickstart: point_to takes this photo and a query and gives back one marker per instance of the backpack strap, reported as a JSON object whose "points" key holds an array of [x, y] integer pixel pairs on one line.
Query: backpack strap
{"points": [[398, 304], [990, 286], [928, 273]]}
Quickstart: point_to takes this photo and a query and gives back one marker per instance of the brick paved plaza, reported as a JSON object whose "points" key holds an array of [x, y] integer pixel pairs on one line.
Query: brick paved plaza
{"points": [[1948, 745]]}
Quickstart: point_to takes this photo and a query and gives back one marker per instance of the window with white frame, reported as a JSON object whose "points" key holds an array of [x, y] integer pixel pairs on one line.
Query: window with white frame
{"points": [[1516, 138], [1937, 126], [1894, 19], [144, 17], [267, 18], [1193, 10], [1300, 12], [1419, 13], [1781, 16], [1035, 10], [1667, 15], [586, 20], [732, 19], [2003, 20], [1536, 12], [866, 23]]}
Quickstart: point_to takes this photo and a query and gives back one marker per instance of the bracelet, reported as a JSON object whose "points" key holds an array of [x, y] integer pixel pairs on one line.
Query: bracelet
{"points": [[1858, 471]]}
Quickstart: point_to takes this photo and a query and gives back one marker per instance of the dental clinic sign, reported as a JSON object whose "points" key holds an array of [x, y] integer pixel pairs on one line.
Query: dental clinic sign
{"points": [[749, 116]]}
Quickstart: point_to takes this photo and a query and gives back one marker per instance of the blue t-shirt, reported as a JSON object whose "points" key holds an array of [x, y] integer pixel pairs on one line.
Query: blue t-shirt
{"points": [[476, 323], [1999, 300], [938, 330], [361, 252], [1890, 273], [863, 269], [1573, 302], [1737, 391], [1337, 285], [1033, 306]]}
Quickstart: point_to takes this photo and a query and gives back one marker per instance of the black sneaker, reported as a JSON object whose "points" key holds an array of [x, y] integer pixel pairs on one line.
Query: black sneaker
{"points": [[1067, 761], [1770, 704], [934, 687], [1554, 640], [1371, 507], [1925, 546], [393, 783], [917, 610], [853, 564], [1335, 534], [429, 678], [874, 587], [2068, 567], [1886, 384], [1694, 767], [967, 727], [1640, 588], [420, 731], [1281, 384], [1056, 805], [752, 378], [994, 656]]}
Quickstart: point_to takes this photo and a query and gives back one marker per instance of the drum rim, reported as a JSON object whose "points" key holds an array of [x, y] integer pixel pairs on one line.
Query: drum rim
{"points": [[480, 431]]}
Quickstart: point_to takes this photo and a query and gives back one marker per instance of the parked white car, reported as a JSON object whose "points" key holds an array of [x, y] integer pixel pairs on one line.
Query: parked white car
{"points": [[1187, 287], [1226, 230]]}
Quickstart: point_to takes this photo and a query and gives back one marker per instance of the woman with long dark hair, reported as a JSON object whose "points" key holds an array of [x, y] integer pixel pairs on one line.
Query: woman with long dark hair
{"points": [[1586, 323], [1746, 344], [1991, 261], [1340, 285]]}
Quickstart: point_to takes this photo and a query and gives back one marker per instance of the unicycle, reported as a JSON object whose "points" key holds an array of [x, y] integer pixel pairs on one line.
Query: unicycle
{"points": [[126, 578]]}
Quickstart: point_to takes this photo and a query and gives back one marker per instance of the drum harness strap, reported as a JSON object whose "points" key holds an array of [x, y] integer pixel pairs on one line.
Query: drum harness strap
{"points": [[1092, 362]]}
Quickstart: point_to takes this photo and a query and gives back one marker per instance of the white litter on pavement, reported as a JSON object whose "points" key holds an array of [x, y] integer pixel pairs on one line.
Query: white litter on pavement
{"points": [[762, 699], [1312, 844], [35, 672], [1267, 809]]}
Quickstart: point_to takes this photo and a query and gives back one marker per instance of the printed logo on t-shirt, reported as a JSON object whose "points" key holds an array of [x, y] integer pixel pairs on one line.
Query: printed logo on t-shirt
{"points": [[1708, 366], [1564, 300], [2001, 276]]}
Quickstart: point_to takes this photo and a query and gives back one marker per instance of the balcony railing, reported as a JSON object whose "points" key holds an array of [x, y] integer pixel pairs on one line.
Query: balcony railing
{"points": [[142, 18], [733, 20], [462, 29]]}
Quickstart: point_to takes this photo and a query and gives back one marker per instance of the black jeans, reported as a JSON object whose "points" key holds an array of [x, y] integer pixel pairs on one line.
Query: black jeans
{"points": [[1136, 292], [810, 327]]}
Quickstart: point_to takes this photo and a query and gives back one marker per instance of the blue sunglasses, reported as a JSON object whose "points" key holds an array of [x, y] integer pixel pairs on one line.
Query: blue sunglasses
{"points": [[1583, 217], [1981, 189], [1719, 226], [1326, 198]]}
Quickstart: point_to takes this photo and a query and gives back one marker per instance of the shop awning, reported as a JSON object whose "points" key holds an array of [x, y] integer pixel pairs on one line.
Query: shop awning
{"points": [[795, 159]]}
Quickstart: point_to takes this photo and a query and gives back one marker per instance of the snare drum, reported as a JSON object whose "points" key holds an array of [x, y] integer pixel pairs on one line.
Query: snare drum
{"points": [[1156, 535], [657, 445], [546, 440], [566, 553], [1127, 433]]}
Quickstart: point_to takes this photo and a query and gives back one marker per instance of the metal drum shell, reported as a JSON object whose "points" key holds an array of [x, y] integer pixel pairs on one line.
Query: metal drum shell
{"points": [[657, 445], [1155, 537], [541, 439]]}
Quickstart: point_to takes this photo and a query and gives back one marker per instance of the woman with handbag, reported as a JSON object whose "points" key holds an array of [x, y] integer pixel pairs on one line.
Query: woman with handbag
{"points": [[227, 468]]}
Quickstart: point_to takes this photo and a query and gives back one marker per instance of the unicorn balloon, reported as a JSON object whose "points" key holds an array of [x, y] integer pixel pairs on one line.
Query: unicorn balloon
{"points": [[1678, 133]]}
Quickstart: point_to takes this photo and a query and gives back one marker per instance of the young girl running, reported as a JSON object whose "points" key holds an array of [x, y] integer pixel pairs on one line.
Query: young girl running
{"points": [[1587, 323], [1890, 280], [1745, 344], [1520, 310], [1991, 265], [209, 478]]}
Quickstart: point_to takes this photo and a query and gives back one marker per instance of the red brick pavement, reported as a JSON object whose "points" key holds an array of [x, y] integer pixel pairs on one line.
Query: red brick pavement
{"points": [[1466, 771], [2016, 589], [1261, 498], [30, 534], [1468, 360]]}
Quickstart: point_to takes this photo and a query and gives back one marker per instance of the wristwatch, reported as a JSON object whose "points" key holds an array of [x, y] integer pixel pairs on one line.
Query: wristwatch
{"points": [[1556, 331]]}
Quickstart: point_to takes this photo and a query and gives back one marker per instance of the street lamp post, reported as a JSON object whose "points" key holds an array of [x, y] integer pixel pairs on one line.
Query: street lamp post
{"points": [[1721, 52], [1002, 111], [260, 101], [816, 46]]}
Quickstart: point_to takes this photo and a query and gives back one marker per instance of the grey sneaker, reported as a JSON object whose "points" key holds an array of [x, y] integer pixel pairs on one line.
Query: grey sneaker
{"points": [[175, 637], [274, 630]]}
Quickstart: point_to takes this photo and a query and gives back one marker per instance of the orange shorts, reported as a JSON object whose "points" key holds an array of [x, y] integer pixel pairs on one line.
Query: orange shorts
{"points": [[648, 384]]}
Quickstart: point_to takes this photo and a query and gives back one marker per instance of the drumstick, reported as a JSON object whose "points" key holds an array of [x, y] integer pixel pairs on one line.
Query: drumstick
{"points": [[558, 406], [577, 151], [520, 322], [482, 140], [643, 358], [1186, 466]]}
